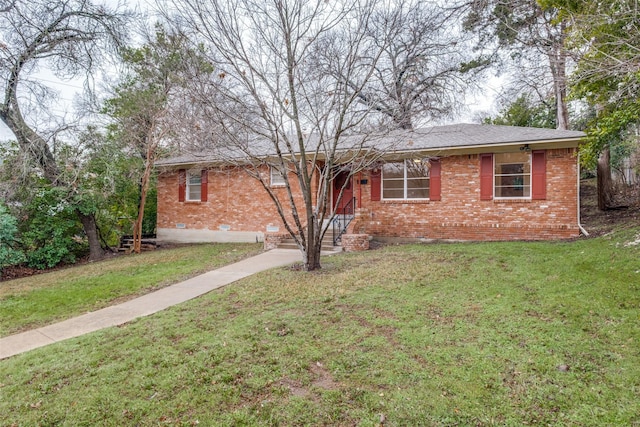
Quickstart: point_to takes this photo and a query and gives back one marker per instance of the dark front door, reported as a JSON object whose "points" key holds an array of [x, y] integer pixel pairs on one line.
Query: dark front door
{"points": [[346, 204]]}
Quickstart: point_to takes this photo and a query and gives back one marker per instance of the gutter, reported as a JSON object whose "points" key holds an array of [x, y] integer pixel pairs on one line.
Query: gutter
{"points": [[482, 148], [580, 227]]}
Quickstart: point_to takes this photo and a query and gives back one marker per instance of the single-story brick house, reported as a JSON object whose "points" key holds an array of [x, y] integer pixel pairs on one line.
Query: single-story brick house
{"points": [[457, 182]]}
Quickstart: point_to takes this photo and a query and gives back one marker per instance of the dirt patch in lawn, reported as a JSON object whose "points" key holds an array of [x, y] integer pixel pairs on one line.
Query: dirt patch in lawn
{"points": [[322, 380]]}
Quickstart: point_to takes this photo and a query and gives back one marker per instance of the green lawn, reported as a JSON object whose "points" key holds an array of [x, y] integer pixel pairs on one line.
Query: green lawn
{"points": [[427, 335], [45, 298]]}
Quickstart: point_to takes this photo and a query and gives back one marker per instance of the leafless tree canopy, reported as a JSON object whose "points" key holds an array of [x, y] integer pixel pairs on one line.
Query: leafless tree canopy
{"points": [[275, 98], [6, 5], [67, 37], [425, 66]]}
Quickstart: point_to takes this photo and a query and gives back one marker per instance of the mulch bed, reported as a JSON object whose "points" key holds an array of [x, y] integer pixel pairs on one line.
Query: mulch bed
{"points": [[18, 271]]}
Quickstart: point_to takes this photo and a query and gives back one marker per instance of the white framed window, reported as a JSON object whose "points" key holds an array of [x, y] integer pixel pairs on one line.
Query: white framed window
{"points": [[406, 180], [512, 175], [194, 185], [277, 178]]}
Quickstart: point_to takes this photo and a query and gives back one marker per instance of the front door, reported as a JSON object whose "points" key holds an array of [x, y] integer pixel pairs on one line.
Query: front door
{"points": [[346, 204]]}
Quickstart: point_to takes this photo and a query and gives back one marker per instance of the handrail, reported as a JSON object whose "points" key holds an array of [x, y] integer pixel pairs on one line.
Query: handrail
{"points": [[342, 220]]}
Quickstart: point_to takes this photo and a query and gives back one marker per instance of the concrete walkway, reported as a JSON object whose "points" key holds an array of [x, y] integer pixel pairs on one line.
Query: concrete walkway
{"points": [[146, 304]]}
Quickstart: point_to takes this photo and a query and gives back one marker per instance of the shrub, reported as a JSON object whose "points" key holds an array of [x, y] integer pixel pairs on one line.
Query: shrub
{"points": [[51, 229], [9, 254]]}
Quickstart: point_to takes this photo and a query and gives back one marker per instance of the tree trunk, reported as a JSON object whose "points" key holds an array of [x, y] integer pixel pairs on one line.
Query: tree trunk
{"points": [[91, 230], [604, 184], [30, 142], [312, 256], [137, 226], [144, 188], [558, 62], [403, 120]]}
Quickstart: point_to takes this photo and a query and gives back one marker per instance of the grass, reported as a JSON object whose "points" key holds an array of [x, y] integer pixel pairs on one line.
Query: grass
{"points": [[432, 335], [45, 298]]}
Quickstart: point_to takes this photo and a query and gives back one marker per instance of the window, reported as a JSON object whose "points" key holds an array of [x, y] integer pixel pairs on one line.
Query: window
{"points": [[194, 185], [277, 178], [405, 180], [512, 175]]}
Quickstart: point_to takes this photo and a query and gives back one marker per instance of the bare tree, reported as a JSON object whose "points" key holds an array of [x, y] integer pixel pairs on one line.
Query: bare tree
{"points": [[280, 108], [426, 63], [67, 37]]}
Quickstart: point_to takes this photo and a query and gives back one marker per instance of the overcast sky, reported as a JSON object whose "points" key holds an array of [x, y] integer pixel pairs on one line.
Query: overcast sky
{"points": [[4, 132], [67, 90]]}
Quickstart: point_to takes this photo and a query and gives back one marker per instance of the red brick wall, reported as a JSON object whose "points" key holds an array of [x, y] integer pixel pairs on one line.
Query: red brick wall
{"points": [[234, 199], [355, 242], [462, 215], [239, 201]]}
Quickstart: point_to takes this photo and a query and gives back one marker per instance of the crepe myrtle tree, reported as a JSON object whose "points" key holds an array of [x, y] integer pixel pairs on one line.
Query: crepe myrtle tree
{"points": [[69, 38], [146, 105], [277, 107]]}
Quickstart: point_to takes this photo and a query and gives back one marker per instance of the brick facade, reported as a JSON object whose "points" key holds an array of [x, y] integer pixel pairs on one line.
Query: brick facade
{"points": [[238, 207], [462, 215]]}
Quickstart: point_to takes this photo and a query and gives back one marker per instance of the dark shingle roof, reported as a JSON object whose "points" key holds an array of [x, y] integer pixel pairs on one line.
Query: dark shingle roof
{"points": [[469, 135], [458, 136]]}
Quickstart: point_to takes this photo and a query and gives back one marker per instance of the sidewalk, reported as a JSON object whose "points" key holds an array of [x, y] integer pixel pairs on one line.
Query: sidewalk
{"points": [[146, 304]]}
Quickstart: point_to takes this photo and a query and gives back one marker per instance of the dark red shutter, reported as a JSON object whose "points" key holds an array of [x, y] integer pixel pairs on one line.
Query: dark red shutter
{"points": [[538, 175], [434, 178], [375, 185], [486, 176], [182, 184], [204, 175]]}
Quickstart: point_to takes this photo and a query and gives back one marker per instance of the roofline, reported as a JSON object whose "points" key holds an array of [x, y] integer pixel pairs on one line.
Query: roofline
{"points": [[497, 147]]}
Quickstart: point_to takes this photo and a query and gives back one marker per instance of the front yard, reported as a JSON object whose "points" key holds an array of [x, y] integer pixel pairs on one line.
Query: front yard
{"points": [[444, 334], [42, 299]]}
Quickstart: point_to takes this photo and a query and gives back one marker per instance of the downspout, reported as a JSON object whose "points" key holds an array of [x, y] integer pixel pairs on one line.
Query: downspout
{"points": [[580, 227]]}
